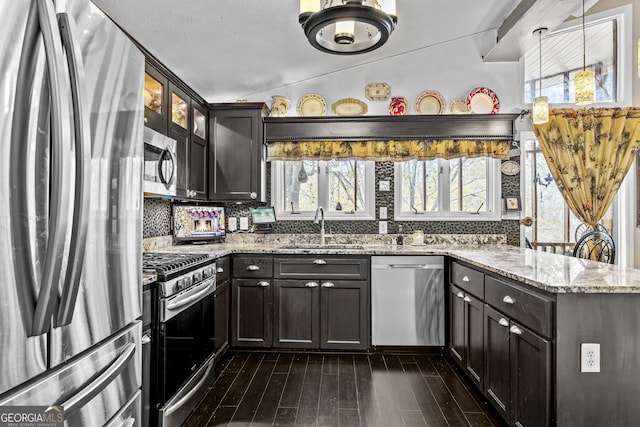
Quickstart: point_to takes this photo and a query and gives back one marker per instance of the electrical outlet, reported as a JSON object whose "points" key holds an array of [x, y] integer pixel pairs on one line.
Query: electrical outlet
{"points": [[383, 212], [589, 357], [382, 227], [383, 186], [244, 223]]}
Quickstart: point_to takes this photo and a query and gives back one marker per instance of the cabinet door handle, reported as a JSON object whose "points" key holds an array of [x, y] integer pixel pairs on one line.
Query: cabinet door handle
{"points": [[465, 278], [219, 270], [311, 285], [319, 262], [460, 295], [508, 299], [503, 322], [328, 285], [515, 330], [264, 283], [467, 299], [253, 267]]}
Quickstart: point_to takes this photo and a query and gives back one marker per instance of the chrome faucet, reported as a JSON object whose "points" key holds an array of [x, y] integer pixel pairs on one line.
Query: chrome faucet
{"points": [[321, 221]]}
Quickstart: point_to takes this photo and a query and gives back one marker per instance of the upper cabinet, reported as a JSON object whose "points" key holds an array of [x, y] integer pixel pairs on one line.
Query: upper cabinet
{"points": [[237, 152], [156, 94], [171, 111]]}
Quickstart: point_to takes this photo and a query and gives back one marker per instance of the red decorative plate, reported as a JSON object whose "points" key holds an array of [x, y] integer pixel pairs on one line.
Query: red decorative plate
{"points": [[482, 100]]}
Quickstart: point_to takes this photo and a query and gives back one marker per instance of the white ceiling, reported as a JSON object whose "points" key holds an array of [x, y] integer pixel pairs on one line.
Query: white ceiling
{"points": [[230, 49]]}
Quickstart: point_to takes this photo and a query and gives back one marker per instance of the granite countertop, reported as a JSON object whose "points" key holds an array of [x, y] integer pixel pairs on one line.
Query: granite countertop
{"points": [[546, 271], [148, 279]]}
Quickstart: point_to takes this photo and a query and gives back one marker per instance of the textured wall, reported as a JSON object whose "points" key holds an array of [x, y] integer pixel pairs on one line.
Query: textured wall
{"points": [[157, 216]]}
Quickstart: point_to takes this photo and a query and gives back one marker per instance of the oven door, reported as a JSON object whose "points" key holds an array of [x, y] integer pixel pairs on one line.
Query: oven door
{"points": [[159, 163], [186, 335]]}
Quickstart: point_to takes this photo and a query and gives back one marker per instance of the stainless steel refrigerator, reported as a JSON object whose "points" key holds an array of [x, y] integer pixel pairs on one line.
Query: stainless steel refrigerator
{"points": [[71, 148]]}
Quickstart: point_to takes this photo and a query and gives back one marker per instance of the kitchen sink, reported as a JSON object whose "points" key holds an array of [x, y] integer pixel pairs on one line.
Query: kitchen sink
{"points": [[325, 246]]}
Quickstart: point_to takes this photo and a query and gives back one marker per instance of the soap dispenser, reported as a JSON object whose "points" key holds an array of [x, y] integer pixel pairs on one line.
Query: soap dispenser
{"points": [[400, 238]]}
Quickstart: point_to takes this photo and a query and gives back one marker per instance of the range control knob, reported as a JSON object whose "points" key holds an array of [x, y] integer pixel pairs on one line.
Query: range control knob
{"points": [[207, 272], [197, 277]]}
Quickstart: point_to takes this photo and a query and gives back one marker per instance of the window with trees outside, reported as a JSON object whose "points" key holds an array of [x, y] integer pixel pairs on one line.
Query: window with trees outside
{"points": [[554, 225], [343, 188], [458, 189]]}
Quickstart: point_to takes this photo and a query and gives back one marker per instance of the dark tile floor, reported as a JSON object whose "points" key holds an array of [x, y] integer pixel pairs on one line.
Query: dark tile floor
{"points": [[285, 389]]}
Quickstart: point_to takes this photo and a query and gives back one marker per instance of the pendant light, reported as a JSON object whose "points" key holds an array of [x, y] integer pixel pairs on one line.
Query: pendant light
{"points": [[347, 27], [540, 103], [585, 81]]}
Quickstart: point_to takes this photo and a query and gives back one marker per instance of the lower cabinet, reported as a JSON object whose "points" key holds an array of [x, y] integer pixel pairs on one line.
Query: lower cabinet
{"points": [[509, 362], [320, 314], [251, 319], [221, 312], [466, 333]]}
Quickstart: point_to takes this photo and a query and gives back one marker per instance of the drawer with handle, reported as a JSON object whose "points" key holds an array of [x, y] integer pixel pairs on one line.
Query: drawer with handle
{"points": [[322, 267], [223, 269], [468, 279], [252, 266], [532, 310]]}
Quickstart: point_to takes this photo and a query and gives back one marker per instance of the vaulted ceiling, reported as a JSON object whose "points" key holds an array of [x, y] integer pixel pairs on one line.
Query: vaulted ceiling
{"points": [[230, 49]]}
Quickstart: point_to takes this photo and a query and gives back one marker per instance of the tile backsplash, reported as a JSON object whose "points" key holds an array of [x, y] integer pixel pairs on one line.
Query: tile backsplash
{"points": [[157, 216]]}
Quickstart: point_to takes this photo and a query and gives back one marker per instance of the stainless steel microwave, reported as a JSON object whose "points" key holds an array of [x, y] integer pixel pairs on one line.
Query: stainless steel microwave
{"points": [[160, 163]]}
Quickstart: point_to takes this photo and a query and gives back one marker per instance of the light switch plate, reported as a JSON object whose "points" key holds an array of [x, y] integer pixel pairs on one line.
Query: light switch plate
{"points": [[244, 223], [382, 227], [233, 223], [383, 186], [383, 212]]}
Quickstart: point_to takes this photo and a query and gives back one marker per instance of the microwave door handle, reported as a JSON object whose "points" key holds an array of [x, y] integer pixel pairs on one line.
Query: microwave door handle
{"points": [[163, 156], [82, 140], [18, 169], [61, 151]]}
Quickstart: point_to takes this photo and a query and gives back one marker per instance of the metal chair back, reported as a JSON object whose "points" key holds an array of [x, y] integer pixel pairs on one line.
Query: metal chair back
{"points": [[596, 246], [584, 228]]}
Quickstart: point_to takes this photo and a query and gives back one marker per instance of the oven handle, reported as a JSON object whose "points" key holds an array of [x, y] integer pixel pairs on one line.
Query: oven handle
{"points": [[177, 405], [184, 301]]}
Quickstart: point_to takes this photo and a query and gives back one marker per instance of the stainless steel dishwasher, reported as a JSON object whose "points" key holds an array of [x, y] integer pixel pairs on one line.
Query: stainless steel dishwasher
{"points": [[407, 300]]}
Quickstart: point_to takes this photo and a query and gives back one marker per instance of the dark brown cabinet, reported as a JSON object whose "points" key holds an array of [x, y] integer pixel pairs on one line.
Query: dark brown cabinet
{"points": [[222, 297], [497, 335], [172, 112], [237, 154], [251, 302], [466, 335], [296, 319], [321, 302]]}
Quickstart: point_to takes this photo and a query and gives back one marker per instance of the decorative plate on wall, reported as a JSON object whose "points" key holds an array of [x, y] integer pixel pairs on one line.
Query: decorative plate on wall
{"points": [[349, 107], [459, 106], [398, 106], [377, 91], [483, 100], [430, 102], [312, 104]]}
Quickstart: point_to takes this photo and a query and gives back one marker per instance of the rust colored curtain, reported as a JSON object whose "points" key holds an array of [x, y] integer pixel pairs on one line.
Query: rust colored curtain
{"points": [[589, 152], [387, 150]]}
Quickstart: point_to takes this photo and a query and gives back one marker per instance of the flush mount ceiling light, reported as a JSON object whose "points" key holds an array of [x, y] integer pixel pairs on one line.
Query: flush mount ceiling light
{"points": [[585, 81], [347, 27], [541, 103]]}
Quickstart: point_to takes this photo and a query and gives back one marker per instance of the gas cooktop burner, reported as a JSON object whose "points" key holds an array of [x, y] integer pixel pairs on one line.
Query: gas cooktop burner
{"points": [[167, 265]]}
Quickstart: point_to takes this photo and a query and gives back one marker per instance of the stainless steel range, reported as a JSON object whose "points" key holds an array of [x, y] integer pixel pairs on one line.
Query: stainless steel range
{"points": [[184, 332]]}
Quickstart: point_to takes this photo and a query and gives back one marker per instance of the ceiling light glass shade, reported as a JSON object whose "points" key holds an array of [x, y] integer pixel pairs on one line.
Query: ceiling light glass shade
{"points": [[540, 110], [324, 26], [585, 87]]}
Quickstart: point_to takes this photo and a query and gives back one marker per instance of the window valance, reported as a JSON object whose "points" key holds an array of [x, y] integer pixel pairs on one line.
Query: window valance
{"points": [[395, 138], [387, 150]]}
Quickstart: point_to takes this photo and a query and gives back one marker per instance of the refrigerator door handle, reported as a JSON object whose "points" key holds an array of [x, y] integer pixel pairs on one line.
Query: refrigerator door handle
{"points": [[96, 386], [60, 135], [82, 140], [18, 166]]}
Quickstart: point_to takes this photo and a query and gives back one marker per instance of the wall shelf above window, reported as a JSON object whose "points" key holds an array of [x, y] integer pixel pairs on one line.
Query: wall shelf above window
{"points": [[385, 128]]}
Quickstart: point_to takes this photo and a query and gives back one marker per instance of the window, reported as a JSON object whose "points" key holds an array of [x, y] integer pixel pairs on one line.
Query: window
{"points": [[562, 58], [447, 189], [344, 188]]}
